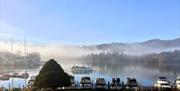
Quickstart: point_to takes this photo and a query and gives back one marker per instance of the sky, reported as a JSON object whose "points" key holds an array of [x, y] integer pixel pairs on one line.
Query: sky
{"points": [[83, 22]]}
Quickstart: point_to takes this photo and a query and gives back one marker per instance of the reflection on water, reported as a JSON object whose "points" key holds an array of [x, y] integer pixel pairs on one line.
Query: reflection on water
{"points": [[146, 73]]}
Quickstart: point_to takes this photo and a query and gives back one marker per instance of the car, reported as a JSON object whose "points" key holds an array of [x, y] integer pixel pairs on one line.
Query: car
{"points": [[86, 82], [31, 81], [115, 83], [177, 83], [73, 83], [100, 83], [131, 83], [162, 83]]}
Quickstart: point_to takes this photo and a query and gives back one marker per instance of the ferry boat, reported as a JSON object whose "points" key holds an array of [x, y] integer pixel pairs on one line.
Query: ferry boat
{"points": [[81, 70], [177, 83], [86, 82], [163, 83]]}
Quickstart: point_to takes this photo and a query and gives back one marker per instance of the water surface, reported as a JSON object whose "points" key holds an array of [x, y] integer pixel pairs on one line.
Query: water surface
{"points": [[146, 74]]}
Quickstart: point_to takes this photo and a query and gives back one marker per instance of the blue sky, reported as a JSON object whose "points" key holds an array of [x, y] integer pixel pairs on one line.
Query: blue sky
{"points": [[80, 22]]}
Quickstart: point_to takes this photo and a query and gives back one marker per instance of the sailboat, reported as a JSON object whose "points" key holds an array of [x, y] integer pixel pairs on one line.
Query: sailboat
{"points": [[25, 75], [5, 77]]}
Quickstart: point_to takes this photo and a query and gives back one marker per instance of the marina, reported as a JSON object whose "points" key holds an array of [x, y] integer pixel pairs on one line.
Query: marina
{"points": [[96, 79]]}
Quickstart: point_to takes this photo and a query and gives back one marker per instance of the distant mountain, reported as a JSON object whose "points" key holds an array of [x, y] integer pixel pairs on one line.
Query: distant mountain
{"points": [[162, 43], [150, 46]]}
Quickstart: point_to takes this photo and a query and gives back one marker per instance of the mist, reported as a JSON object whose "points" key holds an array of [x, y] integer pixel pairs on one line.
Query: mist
{"points": [[61, 51]]}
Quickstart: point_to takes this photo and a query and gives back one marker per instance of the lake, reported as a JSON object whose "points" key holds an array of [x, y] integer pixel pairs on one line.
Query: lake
{"points": [[145, 73]]}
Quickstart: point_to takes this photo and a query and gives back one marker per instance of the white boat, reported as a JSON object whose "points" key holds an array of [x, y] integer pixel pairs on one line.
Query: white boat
{"points": [[81, 70], [163, 83], [177, 83]]}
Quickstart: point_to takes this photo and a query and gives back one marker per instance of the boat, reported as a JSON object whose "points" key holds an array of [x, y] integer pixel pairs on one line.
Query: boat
{"points": [[81, 70], [15, 74], [5, 77], [100, 83], [18, 75], [24, 75], [31, 81], [131, 83], [86, 82], [177, 83], [162, 83]]}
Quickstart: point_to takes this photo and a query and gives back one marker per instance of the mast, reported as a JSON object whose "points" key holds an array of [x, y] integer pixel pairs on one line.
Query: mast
{"points": [[25, 58], [12, 53], [0, 53]]}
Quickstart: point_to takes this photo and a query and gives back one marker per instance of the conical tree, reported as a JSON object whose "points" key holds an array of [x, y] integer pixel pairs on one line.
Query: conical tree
{"points": [[52, 76]]}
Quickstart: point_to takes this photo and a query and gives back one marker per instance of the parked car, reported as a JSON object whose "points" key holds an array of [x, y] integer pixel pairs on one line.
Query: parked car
{"points": [[85, 82], [115, 84], [162, 83], [100, 83], [177, 83], [73, 83], [131, 83], [31, 81]]}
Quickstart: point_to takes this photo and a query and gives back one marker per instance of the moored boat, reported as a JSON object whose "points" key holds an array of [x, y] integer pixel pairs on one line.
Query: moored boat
{"points": [[5, 77], [81, 70], [15, 74], [24, 75]]}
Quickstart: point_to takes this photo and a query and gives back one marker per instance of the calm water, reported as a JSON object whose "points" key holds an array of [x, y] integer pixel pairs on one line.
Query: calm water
{"points": [[146, 74]]}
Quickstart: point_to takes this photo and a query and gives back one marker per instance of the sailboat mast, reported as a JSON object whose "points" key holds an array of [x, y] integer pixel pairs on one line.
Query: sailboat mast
{"points": [[24, 48], [25, 58], [11, 45], [12, 53]]}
